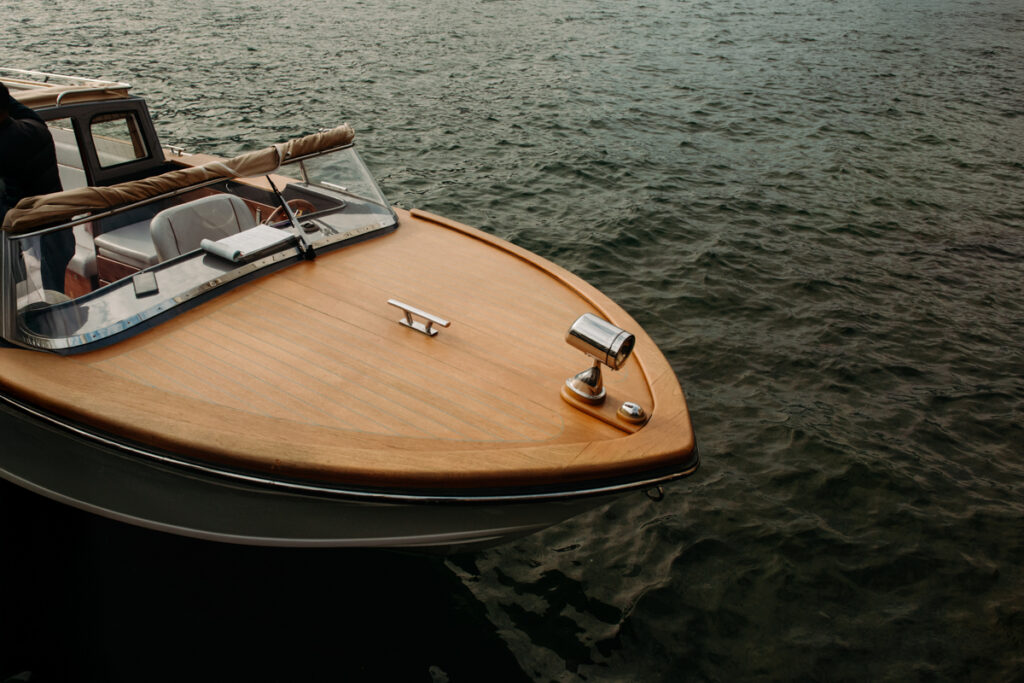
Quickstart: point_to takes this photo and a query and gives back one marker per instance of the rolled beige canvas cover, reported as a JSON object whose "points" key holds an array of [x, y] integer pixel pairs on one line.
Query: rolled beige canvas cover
{"points": [[48, 209]]}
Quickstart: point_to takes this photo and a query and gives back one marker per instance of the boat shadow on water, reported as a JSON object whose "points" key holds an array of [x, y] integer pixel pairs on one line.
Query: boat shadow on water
{"points": [[86, 598]]}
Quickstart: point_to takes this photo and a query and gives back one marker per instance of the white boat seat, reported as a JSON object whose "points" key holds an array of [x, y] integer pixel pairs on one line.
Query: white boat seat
{"points": [[180, 229], [83, 262], [130, 244], [71, 178], [69, 159]]}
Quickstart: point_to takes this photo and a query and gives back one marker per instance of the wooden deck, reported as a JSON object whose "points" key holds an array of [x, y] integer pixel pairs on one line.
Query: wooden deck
{"points": [[307, 372]]}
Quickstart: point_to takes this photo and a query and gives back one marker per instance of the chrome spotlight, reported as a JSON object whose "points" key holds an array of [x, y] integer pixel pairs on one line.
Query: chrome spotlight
{"points": [[603, 342]]}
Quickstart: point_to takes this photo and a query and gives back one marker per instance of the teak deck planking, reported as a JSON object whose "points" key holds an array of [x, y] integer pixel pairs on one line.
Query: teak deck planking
{"points": [[306, 372]]}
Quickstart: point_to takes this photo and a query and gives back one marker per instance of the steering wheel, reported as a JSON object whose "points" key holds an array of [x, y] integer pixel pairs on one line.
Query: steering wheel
{"points": [[298, 207]]}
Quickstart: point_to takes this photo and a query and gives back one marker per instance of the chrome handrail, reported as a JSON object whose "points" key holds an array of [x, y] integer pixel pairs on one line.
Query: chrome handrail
{"points": [[79, 91], [30, 77]]}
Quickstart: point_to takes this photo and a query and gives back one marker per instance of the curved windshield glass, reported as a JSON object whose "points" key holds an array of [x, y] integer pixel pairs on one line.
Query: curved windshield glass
{"points": [[342, 172], [85, 282]]}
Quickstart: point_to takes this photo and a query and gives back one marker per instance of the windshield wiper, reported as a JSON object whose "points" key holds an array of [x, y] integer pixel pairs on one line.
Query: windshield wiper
{"points": [[305, 246]]}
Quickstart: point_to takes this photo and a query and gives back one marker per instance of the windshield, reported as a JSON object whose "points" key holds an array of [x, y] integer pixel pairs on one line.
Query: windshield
{"points": [[342, 172], [86, 282]]}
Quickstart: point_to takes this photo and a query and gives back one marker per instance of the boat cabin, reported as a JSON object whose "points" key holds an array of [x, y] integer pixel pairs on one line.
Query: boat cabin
{"points": [[102, 135], [142, 231]]}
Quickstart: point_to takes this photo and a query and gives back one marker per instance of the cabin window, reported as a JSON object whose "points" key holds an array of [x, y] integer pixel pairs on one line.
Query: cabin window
{"points": [[69, 157], [117, 138]]}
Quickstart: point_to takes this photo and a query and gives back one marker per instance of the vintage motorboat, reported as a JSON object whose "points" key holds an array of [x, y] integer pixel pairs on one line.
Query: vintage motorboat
{"points": [[262, 350]]}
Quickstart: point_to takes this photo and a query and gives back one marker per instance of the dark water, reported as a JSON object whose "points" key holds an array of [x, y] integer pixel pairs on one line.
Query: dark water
{"points": [[816, 208]]}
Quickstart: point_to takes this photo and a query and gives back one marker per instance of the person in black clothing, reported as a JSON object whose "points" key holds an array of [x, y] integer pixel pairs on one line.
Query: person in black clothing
{"points": [[28, 167], [28, 163]]}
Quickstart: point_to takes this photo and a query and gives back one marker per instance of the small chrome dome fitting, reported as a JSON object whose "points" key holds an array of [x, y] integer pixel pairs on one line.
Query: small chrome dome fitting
{"points": [[632, 412]]}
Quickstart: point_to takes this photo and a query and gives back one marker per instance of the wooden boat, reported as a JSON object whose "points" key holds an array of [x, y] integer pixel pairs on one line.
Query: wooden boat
{"points": [[183, 352]]}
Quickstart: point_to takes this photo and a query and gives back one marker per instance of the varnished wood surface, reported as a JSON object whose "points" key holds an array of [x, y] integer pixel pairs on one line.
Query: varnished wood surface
{"points": [[307, 372]]}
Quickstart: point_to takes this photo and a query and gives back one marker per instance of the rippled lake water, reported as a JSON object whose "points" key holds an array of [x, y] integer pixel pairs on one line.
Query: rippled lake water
{"points": [[815, 208]]}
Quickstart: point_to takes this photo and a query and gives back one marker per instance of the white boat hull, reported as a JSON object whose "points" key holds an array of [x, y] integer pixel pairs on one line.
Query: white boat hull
{"points": [[70, 466]]}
